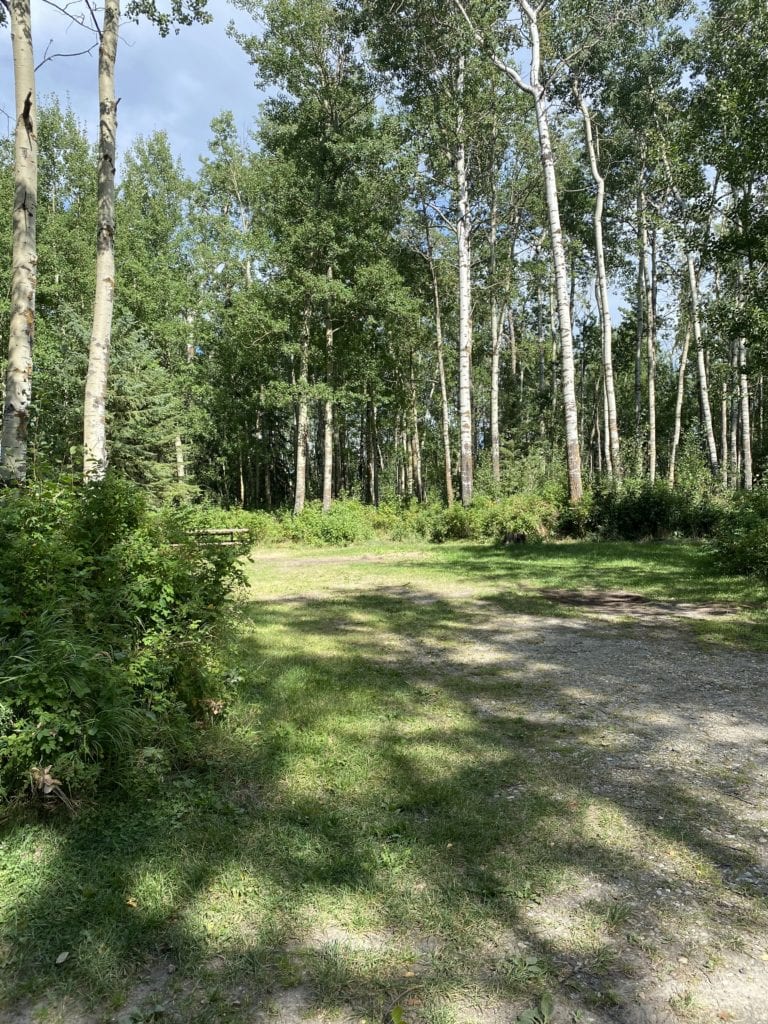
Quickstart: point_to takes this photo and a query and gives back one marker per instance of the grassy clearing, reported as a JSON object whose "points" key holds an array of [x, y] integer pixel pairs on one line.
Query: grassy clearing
{"points": [[395, 811]]}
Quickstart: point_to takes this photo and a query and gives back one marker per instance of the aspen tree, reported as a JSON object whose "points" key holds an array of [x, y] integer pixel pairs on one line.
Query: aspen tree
{"points": [[95, 455], [18, 375], [536, 89]]}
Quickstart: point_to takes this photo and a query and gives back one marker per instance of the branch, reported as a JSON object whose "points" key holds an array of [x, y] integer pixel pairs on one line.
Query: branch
{"points": [[78, 20], [449, 224], [53, 56], [485, 45]]}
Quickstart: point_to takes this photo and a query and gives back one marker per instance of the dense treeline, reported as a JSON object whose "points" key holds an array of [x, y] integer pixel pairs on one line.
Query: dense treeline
{"points": [[363, 298], [486, 269]]}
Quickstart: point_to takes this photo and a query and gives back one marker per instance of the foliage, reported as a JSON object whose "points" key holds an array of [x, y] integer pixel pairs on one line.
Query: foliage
{"points": [[637, 509], [741, 536], [107, 613], [526, 516]]}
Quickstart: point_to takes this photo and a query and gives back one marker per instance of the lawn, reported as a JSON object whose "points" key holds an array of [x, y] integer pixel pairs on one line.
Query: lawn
{"points": [[439, 791]]}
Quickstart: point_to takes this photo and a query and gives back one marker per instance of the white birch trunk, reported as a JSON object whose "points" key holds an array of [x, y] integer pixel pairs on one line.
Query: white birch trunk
{"points": [[724, 466], [603, 302], [649, 272], [446, 422], [733, 418], [463, 229], [706, 411], [181, 470], [95, 454], [746, 433], [679, 405], [302, 420], [496, 323], [328, 413], [573, 453], [18, 374]]}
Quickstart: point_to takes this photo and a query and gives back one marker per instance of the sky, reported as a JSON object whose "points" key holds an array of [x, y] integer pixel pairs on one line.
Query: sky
{"points": [[177, 84]]}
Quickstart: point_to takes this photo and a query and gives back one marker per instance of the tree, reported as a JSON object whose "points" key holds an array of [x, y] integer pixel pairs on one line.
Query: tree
{"points": [[184, 12], [18, 376]]}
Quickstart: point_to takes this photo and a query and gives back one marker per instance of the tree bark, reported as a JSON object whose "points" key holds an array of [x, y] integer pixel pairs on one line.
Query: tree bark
{"points": [[463, 229], [746, 432], [418, 480], [444, 409], [573, 453], [639, 327], [496, 336], [724, 462], [603, 302], [328, 411], [706, 411], [679, 404], [649, 270], [18, 374], [95, 455], [181, 471], [302, 420]]}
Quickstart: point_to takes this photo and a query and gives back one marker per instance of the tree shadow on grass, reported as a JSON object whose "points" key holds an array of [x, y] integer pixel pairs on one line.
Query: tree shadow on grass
{"points": [[412, 801]]}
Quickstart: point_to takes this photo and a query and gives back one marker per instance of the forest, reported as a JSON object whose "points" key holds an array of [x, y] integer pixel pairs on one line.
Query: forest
{"points": [[460, 348]]}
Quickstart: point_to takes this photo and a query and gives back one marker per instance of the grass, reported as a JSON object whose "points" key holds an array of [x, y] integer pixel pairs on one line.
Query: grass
{"points": [[357, 832]]}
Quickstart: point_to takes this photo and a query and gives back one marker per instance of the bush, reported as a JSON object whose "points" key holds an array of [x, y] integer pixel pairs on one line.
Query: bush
{"points": [[346, 522], [108, 610], [741, 537], [636, 509], [528, 515]]}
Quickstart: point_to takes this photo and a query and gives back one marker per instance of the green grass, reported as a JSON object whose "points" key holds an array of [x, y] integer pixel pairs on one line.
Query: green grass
{"points": [[352, 833]]}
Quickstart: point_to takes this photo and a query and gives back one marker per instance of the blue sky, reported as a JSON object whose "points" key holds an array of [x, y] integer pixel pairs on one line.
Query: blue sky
{"points": [[176, 84]]}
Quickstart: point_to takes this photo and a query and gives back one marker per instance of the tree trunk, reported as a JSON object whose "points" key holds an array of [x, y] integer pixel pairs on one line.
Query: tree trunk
{"points": [[639, 327], [496, 326], [746, 433], [18, 374], [181, 471], [724, 435], [649, 265], [463, 228], [446, 421], [328, 412], [95, 454], [302, 420], [537, 91], [603, 301], [706, 412], [573, 454], [679, 405]]}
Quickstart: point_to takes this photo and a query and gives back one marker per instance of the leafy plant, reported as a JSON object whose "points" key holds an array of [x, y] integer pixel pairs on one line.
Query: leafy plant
{"points": [[542, 1013]]}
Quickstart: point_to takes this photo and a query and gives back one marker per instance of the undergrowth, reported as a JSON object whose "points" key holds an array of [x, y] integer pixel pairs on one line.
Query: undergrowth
{"points": [[107, 613]]}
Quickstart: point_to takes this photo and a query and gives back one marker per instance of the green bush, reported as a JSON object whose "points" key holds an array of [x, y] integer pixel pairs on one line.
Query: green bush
{"points": [[636, 509], [741, 538], [528, 515], [108, 610], [346, 522]]}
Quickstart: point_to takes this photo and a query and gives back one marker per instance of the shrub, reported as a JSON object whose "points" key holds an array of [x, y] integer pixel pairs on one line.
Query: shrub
{"points": [[635, 509], [530, 515], [346, 522], [741, 536], [108, 609]]}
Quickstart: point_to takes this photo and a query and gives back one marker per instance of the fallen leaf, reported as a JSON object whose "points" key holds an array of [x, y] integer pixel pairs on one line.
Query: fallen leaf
{"points": [[62, 957], [132, 902]]}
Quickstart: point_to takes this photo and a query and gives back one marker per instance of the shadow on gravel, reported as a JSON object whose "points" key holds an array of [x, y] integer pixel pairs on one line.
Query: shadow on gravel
{"points": [[416, 803]]}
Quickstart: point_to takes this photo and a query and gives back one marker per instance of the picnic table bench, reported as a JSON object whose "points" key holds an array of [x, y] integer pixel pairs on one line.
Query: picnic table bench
{"points": [[223, 536]]}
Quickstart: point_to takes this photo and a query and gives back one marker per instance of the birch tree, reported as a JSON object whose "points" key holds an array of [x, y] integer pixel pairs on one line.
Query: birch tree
{"points": [[95, 455], [535, 87], [18, 376]]}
